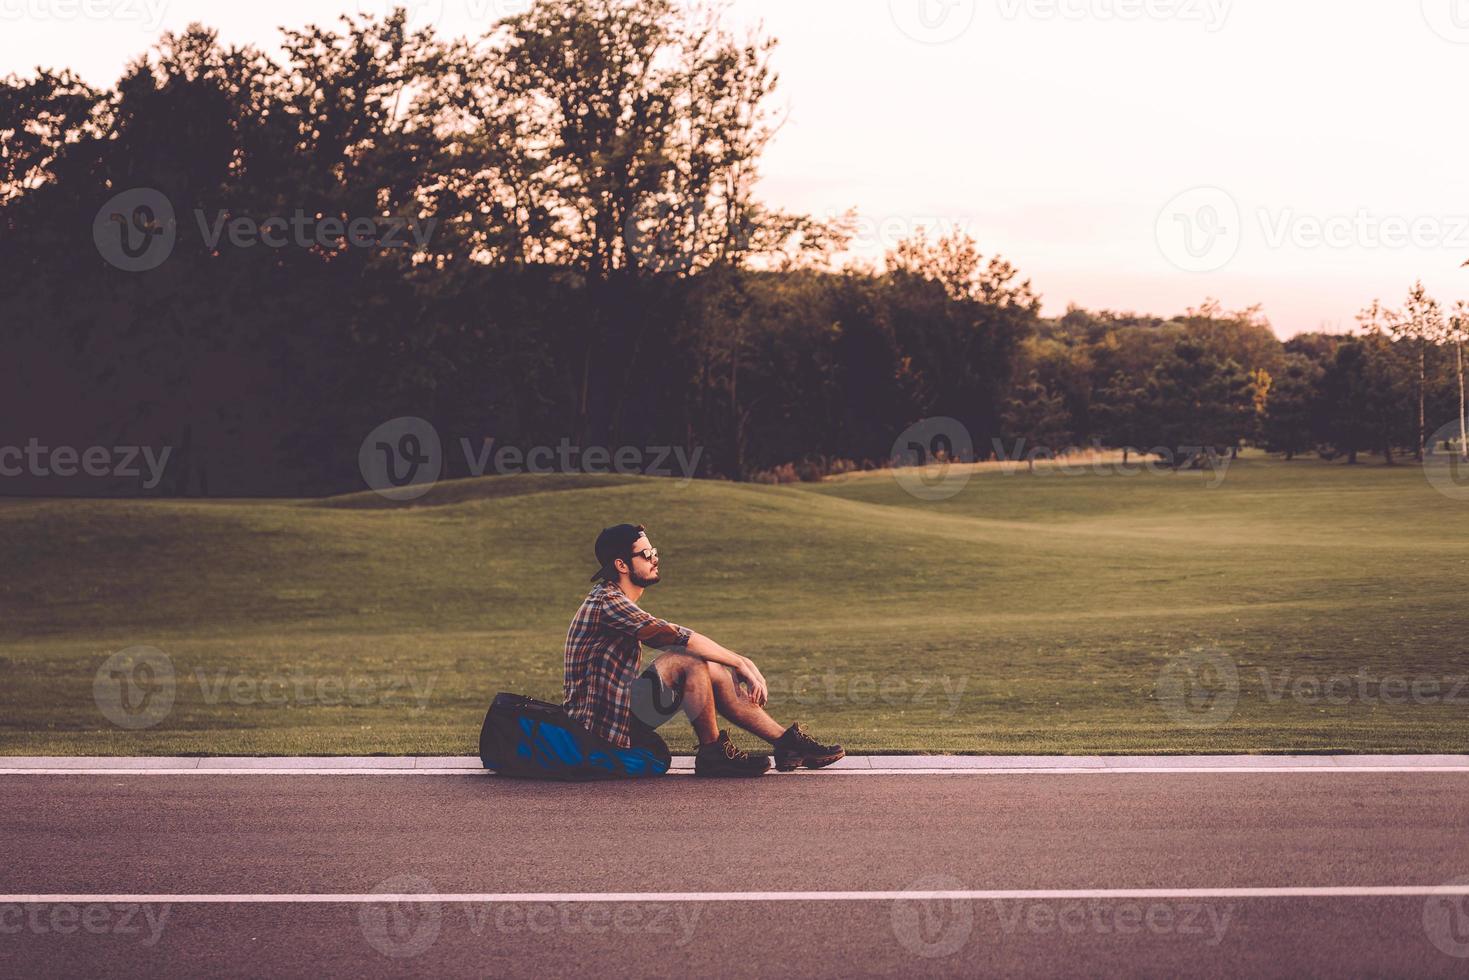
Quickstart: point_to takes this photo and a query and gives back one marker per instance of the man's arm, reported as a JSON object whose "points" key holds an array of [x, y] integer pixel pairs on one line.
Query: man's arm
{"points": [[704, 648], [624, 615]]}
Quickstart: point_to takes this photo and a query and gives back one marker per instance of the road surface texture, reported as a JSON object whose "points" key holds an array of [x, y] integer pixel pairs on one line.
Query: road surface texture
{"points": [[836, 874]]}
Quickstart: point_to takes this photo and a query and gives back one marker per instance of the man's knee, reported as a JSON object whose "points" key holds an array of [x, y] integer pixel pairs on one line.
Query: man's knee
{"points": [[726, 688], [721, 676], [677, 669]]}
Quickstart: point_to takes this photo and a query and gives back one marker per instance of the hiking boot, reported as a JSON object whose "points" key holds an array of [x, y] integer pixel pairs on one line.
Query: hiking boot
{"points": [[795, 748], [723, 758]]}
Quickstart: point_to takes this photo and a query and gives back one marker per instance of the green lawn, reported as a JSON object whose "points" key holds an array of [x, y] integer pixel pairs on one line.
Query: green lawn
{"points": [[1028, 614]]}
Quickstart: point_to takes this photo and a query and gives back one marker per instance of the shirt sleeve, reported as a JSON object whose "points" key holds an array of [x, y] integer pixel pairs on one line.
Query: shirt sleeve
{"points": [[622, 615]]}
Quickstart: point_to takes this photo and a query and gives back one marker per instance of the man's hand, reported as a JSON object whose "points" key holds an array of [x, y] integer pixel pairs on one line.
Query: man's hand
{"points": [[743, 668], [759, 691]]}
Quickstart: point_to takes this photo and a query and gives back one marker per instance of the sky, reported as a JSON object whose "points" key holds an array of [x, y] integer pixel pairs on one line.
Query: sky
{"points": [[1131, 155]]}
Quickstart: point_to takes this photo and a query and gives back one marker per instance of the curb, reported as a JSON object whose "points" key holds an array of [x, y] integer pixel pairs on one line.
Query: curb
{"points": [[887, 764]]}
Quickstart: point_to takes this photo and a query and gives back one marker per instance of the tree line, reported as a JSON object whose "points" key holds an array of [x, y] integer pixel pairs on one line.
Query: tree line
{"points": [[588, 261], [1220, 381]]}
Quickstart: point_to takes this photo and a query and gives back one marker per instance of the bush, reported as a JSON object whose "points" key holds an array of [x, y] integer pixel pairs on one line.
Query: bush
{"points": [[784, 473]]}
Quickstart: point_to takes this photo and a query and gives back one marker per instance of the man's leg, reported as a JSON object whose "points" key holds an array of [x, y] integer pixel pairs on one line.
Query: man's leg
{"points": [[708, 687], [695, 676], [794, 747], [717, 755], [679, 671], [734, 706]]}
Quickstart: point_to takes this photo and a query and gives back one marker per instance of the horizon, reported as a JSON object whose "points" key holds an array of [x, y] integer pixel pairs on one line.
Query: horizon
{"points": [[1181, 197]]}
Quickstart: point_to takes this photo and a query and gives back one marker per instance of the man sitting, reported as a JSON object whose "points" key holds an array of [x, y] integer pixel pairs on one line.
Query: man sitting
{"points": [[616, 703]]}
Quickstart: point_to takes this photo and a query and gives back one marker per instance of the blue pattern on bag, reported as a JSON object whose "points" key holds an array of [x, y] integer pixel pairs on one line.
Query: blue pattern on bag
{"points": [[561, 742], [553, 747], [536, 749], [636, 762]]}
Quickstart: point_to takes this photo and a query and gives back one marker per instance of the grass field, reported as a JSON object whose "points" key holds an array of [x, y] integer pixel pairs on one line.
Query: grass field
{"points": [[1031, 613]]}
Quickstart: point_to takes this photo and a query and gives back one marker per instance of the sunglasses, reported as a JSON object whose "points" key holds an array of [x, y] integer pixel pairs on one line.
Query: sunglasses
{"points": [[648, 553]]}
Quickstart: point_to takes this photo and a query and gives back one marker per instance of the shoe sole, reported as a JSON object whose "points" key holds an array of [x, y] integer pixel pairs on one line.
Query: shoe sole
{"points": [[791, 764]]}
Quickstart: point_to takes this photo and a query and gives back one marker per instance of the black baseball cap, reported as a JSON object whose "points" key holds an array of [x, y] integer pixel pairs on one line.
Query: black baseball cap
{"points": [[613, 543]]}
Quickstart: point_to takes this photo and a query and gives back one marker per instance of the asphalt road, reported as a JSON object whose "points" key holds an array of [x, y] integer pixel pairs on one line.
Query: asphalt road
{"points": [[89, 835]]}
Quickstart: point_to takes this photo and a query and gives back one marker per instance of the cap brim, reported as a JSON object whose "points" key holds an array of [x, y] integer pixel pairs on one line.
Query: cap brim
{"points": [[599, 576]]}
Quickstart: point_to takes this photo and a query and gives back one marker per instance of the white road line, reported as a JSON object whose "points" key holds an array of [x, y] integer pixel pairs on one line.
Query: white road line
{"points": [[1066, 894], [948, 771], [242, 772]]}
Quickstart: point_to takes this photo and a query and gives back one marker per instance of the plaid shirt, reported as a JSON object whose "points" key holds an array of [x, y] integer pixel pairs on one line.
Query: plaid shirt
{"points": [[603, 653]]}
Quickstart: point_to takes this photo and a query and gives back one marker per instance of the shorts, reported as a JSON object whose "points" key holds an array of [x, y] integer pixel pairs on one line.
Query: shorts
{"points": [[653, 702]]}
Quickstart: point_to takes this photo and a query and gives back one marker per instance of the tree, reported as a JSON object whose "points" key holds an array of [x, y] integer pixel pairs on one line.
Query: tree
{"points": [[1037, 417], [1417, 326], [1362, 391], [1065, 367], [961, 320], [1458, 333], [1119, 413], [1244, 336], [1198, 403], [42, 121], [1290, 424], [638, 126]]}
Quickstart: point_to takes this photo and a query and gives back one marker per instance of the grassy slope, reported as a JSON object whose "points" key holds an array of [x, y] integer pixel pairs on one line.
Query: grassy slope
{"points": [[1032, 613]]}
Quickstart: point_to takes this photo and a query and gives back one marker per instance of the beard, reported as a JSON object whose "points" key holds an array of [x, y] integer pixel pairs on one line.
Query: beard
{"points": [[641, 581]]}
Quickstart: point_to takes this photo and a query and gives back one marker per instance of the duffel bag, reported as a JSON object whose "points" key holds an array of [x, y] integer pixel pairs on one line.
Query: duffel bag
{"points": [[538, 740]]}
